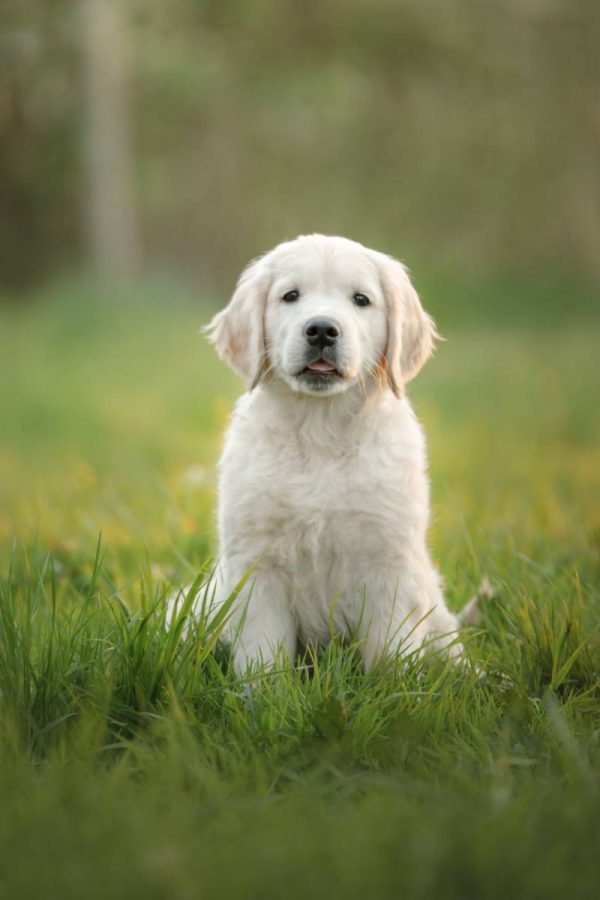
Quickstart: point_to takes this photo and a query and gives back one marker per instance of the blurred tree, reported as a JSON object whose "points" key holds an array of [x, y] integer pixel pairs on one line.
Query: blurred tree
{"points": [[110, 205], [460, 131]]}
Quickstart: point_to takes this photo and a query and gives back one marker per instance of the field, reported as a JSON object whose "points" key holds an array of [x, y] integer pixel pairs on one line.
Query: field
{"points": [[135, 764]]}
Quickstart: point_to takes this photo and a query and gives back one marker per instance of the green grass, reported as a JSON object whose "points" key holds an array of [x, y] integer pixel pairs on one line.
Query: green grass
{"points": [[135, 764]]}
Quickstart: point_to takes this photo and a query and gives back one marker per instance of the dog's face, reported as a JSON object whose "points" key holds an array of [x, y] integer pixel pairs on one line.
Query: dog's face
{"points": [[323, 314], [325, 317]]}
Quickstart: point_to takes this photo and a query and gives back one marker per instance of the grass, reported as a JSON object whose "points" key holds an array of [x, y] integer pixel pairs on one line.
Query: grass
{"points": [[135, 764]]}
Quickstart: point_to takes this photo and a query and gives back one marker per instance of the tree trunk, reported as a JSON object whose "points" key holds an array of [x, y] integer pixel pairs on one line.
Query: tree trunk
{"points": [[111, 219]]}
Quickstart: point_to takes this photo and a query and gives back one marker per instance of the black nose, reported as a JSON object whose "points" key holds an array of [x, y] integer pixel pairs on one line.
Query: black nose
{"points": [[321, 332]]}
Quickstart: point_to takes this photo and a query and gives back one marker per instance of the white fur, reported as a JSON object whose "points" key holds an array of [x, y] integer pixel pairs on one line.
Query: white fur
{"points": [[323, 488]]}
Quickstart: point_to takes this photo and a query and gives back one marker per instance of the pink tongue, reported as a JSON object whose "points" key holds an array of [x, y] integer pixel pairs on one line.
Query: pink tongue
{"points": [[321, 366]]}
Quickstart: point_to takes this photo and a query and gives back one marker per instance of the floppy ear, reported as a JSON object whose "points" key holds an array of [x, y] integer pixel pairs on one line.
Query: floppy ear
{"points": [[238, 331], [411, 332]]}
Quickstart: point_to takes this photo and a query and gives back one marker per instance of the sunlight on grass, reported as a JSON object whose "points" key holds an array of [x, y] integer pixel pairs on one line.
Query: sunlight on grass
{"points": [[129, 750]]}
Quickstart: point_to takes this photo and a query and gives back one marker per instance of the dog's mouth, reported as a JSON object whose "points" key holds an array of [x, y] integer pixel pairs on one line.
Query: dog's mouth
{"points": [[321, 367]]}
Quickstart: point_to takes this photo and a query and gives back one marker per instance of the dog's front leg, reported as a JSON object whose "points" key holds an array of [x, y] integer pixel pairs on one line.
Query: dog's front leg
{"points": [[401, 613], [264, 626]]}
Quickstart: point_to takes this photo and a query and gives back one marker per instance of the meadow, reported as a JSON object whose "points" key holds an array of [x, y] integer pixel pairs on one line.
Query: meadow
{"points": [[135, 764]]}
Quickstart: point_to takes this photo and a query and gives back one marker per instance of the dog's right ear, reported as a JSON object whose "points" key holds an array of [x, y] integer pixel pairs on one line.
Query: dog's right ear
{"points": [[238, 331]]}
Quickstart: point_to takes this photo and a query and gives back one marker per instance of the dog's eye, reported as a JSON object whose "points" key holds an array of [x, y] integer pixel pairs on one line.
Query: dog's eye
{"points": [[290, 296], [361, 299]]}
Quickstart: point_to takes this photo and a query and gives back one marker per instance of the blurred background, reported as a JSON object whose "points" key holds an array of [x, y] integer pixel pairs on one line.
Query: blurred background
{"points": [[191, 135], [148, 150]]}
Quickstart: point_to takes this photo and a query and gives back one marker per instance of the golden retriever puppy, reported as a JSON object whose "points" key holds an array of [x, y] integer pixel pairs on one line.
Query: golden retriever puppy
{"points": [[323, 489]]}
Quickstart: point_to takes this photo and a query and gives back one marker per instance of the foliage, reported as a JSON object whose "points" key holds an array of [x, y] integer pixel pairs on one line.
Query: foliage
{"points": [[463, 131]]}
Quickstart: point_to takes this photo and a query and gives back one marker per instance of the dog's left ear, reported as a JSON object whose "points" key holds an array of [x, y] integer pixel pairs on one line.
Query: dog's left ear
{"points": [[238, 331], [411, 332]]}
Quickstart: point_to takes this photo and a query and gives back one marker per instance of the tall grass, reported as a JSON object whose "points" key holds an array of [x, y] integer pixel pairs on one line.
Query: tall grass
{"points": [[135, 763]]}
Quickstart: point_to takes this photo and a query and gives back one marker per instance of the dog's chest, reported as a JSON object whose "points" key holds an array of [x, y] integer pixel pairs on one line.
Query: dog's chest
{"points": [[318, 510]]}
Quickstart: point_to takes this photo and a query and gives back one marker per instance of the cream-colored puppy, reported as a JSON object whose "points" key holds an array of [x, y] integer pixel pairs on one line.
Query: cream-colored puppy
{"points": [[323, 484]]}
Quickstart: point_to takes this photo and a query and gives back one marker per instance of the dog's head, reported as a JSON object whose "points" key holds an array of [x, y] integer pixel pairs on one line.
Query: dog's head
{"points": [[323, 314]]}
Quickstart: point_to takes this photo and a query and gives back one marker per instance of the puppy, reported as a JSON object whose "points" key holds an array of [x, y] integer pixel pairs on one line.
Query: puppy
{"points": [[323, 492]]}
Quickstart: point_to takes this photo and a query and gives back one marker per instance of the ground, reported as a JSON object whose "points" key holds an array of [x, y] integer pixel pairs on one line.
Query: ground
{"points": [[135, 764]]}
